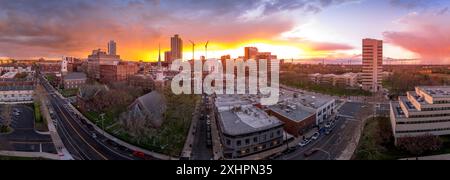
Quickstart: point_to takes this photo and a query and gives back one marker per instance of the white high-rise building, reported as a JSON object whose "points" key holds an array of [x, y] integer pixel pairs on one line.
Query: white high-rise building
{"points": [[112, 48], [372, 59]]}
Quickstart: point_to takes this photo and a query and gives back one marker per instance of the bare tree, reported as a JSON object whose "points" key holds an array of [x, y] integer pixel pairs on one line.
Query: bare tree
{"points": [[7, 119]]}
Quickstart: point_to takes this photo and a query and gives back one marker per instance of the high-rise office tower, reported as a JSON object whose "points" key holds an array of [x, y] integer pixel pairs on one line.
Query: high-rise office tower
{"points": [[372, 59], [112, 48], [176, 46]]}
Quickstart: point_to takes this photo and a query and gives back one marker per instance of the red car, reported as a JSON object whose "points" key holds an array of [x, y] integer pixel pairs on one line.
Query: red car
{"points": [[139, 154]]}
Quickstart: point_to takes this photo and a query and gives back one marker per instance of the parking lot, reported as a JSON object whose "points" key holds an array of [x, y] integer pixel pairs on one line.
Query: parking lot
{"points": [[24, 137]]}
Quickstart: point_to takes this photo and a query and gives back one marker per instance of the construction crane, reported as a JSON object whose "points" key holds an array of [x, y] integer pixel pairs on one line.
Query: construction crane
{"points": [[193, 50], [402, 61], [206, 49]]}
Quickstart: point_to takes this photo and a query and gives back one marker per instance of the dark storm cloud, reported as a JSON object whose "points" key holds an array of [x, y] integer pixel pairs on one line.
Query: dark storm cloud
{"points": [[73, 26]]}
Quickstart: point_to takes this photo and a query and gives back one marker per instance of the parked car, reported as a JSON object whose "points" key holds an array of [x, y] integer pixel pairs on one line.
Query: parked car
{"points": [[304, 143], [315, 136], [310, 152], [328, 125], [139, 154]]}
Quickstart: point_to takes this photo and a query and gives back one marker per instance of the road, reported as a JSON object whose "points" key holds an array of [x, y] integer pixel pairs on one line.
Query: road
{"points": [[78, 137], [200, 149], [330, 147]]}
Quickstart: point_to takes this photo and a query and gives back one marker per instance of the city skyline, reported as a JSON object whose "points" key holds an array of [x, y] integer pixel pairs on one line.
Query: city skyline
{"points": [[318, 29]]}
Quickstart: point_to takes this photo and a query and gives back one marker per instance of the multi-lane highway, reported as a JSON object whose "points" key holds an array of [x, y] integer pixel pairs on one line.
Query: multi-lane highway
{"points": [[79, 137]]}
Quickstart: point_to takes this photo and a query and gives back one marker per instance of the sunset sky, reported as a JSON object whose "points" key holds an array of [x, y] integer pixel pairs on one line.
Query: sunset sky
{"points": [[289, 28]]}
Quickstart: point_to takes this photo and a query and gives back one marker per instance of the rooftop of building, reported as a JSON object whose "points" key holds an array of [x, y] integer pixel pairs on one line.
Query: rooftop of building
{"points": [[75, 76], [9, 75], [404, 100], [309, 101], [436, 91], [224, 102], [397, 110], [292, 110], [246, 119]]}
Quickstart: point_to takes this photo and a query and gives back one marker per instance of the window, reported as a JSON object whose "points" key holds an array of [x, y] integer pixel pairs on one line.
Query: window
{"points": [[238, 143], [228, 142], [279, 132], [271, 135], [247, 141], [255, 139]]}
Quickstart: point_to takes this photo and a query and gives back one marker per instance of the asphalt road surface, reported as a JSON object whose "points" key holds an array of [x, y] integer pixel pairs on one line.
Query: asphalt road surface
{"points": [[79, 138], [24, 137], [200, 149], [330, 147]]}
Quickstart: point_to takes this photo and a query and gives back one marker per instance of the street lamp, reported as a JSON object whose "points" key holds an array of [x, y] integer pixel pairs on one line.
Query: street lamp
{"points": [[102, 116]]}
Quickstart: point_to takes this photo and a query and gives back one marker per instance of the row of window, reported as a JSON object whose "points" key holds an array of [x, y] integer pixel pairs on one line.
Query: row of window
{"points": [[425, 116], [424, 122], [424, 130], [255, 139], [18, 95], [259, 148], [436, 109]]}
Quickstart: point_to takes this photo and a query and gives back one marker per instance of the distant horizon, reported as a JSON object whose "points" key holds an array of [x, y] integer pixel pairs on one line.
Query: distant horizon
{"points": [[289, 29], [315, 61]]}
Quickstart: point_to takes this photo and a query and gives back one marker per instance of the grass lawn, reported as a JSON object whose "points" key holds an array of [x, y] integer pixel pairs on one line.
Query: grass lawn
{"points": [[69, 92], [96, 119], [40, 121], [170, 138], [372, 146]]}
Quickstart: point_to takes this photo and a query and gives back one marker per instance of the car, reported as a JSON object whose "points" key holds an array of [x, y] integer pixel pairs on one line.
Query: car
{"points": [[315, 136], [290, 150], [139, 154], [94, 135], [304, 143], [310, 152], [122, 148], [16, 114], [328, 125]]}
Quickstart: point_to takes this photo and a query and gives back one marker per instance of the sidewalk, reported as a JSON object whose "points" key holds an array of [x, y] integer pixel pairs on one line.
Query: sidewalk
{"points": [[187, 148], [30, 155], [59, 145], [268, 153], [215, 136], [348, 152]]}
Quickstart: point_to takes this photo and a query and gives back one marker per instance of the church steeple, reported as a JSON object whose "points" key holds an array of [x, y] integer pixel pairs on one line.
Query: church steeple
{"points": [[159, 56]]}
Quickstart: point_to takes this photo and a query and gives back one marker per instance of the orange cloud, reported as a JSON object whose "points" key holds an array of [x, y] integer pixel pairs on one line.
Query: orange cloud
{"points": [[427, 35]]}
